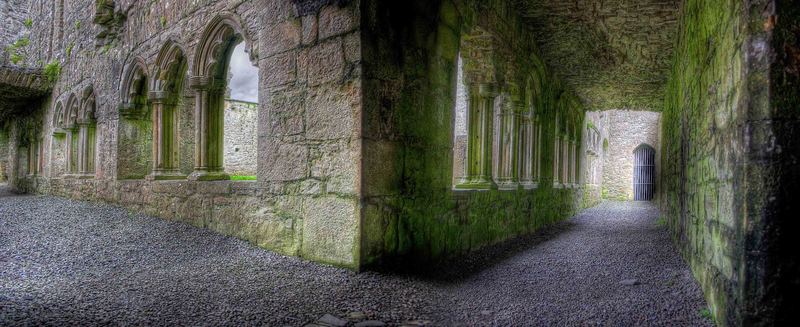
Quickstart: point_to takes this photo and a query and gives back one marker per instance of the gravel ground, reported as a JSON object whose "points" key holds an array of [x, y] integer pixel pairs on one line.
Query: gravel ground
{"points": [[66, 262]]}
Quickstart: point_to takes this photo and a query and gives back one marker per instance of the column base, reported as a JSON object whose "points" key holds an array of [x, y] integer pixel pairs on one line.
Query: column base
{"points": [[529, 185], [205, 175], [475, 184], [165, 175], [507, 185]]}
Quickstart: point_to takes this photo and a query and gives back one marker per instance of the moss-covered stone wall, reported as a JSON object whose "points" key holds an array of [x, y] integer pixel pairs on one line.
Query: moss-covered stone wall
{"points": [[410, 50], [728, 165]]}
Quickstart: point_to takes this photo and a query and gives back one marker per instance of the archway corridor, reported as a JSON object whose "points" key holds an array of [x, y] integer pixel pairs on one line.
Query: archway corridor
{"points": [[416, 162], [71, 262]]}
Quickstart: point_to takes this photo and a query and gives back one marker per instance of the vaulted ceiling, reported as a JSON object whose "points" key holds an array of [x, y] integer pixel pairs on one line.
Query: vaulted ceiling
{"points": [[615, 53]]}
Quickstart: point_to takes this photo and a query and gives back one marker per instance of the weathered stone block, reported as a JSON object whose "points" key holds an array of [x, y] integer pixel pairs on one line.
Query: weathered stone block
{"points": [[335, 20], [325, 62], [330, 231], [281, 161], [331, 111]]}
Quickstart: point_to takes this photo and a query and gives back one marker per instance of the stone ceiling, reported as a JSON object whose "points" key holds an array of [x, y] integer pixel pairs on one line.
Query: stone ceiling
{"points": [[615, 53], [20, 87]]}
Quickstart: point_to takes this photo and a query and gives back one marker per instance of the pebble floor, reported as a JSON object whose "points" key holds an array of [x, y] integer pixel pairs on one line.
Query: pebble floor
{"points": [[65, 262]]}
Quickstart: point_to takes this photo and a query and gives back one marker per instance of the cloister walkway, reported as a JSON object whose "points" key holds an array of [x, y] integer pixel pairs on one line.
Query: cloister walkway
{"points": [[69, 262]]}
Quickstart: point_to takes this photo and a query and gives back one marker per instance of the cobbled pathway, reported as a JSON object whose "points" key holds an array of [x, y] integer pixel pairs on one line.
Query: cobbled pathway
{"points": [[65, 262]]}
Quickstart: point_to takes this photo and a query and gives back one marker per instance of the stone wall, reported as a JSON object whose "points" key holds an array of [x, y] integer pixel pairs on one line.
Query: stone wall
{"points": [[730, 156], [241, 148], [627, 130], [305, 199], [409, 207]]}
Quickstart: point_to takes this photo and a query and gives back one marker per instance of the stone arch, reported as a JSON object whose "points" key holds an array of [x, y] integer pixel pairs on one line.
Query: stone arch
{"points": [[480, 79], [169, 68], [133, 89], [209, 79], [87, 109], [57, 150], [58, 116], [530, 133], [165, 95], [86, 143], [135, 129], [216, 39], [71, 113]]}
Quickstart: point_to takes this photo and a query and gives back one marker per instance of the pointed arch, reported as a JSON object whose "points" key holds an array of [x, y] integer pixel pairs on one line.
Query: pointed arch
{"points": [[169, 69], [210, 67], [58, 115], [133, 89], [87, 109], [223, 31], [71, 111], [165, 94]]}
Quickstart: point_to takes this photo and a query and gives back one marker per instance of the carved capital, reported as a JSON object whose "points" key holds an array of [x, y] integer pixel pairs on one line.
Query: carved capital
{"points": [[199, 82]]}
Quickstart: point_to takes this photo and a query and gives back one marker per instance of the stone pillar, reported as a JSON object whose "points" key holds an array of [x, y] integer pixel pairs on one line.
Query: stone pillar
{"points": [[72, 151], [165, 137], [86, 151], [527, 152], [537, 158], [575, 161], [479, 138], [556, 153], [208, 130], [564, 160], [509, 133]]}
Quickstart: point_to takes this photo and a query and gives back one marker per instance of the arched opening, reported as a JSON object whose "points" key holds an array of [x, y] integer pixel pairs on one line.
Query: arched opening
{"points": [[71, 131], [57, 160], [644, 173], [530, 136], [86, 135], [165, 100], [241, 116], [460, 124], [211, 80], [135, 139]]}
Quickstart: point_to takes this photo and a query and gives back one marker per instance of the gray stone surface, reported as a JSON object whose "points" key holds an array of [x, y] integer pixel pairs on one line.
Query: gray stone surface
{"points": [[241, 141], [627, 129], [68, 262]]}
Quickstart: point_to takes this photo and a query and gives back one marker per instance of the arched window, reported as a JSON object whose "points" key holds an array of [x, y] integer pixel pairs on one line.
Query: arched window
{"points": [[210, 81], [135, 138], [56, 159], [530, 135], [72, 131], [165, 99], [241, 117], [86, 135], [644, 173], [460, 125]]}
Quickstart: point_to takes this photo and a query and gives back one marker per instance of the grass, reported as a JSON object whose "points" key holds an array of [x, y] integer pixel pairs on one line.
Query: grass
{"points": [[705, 313], [661, 222], [242, 178]]}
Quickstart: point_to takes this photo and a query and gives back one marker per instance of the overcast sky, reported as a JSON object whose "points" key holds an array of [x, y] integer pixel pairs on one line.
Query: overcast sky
{"points": [[244, 76]]}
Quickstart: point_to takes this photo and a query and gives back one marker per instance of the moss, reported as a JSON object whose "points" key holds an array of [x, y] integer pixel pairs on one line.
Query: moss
{"points": [[242, 178], [163, 21], [77, 24], [28, 22], [69, 49], [52, 71]]}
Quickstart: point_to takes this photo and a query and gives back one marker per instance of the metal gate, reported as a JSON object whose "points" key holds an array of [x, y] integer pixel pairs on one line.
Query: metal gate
{"points": [[644, 173]]}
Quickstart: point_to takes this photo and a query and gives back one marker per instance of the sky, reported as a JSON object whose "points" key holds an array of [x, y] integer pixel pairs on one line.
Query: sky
{"points": [[244, 76]]}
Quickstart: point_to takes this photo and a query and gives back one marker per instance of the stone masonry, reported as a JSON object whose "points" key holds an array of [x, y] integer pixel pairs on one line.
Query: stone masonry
{"points": [[627, 130]]}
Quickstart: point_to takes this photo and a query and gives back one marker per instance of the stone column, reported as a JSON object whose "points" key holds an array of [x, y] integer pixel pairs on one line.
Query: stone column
{"points": [[208, 130], [537, 160], [85, 148], [72, 136], [508, 154], [479, 138], [165, 137], [527, 152], [575, 161]]}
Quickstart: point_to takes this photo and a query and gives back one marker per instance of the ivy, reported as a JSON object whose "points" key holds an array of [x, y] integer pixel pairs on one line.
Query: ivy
{"points": [[52, 71]]}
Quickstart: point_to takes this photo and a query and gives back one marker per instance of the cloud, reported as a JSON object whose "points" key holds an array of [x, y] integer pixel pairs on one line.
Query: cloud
{"points": [[243, 76]]}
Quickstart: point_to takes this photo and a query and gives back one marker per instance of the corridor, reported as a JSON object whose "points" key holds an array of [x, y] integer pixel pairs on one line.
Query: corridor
{"points": [[68, 262]]}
